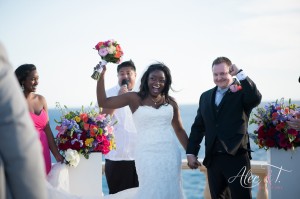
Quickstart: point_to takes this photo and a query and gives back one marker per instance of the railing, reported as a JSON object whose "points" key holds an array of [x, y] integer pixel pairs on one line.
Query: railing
{"points": [[258, 168]]}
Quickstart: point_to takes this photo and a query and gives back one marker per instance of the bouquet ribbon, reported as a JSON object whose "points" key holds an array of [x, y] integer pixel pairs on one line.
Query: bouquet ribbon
{"points": [[98, 69]]}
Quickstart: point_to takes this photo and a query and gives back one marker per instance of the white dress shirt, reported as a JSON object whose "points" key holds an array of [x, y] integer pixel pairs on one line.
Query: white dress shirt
{"points": [[124, 131]]}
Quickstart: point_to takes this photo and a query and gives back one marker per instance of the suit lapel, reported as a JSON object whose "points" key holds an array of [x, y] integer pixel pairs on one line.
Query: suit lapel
{"points": [[212, 101]]}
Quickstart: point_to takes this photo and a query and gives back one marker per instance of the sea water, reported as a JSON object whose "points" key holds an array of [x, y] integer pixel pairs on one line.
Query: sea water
{"points": [[193, 180]]}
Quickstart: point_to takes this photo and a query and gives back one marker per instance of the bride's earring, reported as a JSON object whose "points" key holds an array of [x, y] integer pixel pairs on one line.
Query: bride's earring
{"points": [[22, 86]]}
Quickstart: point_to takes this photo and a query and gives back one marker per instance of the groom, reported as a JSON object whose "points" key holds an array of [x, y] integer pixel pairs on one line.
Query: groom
{"points": [[222, 117]]}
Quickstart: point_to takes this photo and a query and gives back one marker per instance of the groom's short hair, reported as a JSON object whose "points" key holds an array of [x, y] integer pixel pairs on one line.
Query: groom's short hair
{"points": [[126, 64], [220, 60]]}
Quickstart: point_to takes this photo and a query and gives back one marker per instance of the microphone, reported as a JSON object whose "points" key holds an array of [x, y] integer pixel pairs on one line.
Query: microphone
{"points": [[125, 82]]}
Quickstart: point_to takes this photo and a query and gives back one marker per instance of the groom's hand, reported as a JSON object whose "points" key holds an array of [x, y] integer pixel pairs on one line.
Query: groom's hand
{"points": [[233, 70], [193, 163]]}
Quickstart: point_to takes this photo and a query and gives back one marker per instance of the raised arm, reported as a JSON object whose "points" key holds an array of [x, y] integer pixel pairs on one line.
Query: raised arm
{"points": [[111, 102]]}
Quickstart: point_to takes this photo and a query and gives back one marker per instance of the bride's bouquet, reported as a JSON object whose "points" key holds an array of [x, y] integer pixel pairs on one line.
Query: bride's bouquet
{"points": [[82, 132], [109, 51]]}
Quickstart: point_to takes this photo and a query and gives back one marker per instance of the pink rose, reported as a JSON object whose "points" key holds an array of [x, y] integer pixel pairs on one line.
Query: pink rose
{"points": [[101, 117], [234, 88]]}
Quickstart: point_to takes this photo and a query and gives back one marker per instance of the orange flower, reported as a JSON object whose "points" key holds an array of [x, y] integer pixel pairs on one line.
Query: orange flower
{"points": [[118, 54], [118, 48], [84, 117], [92, 134], [93, 130], [286, 110]]}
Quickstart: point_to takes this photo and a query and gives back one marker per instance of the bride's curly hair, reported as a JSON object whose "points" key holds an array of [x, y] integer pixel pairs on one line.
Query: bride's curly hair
{"points": [[144, 89]]}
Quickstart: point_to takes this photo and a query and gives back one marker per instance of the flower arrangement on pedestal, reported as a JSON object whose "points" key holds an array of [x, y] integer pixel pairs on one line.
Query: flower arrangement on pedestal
{"points": [[83, 132], [273, 130], [109, 51]]}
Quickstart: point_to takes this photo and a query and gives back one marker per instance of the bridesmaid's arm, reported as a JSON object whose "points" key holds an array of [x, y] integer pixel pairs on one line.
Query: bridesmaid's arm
{"points": [[52, 146]]}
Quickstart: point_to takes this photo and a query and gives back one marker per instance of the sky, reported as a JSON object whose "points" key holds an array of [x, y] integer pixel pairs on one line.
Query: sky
{"points": [[262, 37]]}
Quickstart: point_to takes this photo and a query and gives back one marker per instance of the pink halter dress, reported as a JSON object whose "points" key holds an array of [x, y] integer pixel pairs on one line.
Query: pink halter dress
{"points": [[40, 122]]}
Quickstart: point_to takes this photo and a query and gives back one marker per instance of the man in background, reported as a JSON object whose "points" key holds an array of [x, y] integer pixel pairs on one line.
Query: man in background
{"points": [[120, 169], [21, 161]]}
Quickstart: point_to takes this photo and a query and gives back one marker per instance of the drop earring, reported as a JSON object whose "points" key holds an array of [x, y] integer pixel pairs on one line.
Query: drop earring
{"points": [[22, 86]]}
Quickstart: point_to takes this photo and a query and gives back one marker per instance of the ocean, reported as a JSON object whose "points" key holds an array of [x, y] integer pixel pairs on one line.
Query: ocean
{"points": [[193, 180]]}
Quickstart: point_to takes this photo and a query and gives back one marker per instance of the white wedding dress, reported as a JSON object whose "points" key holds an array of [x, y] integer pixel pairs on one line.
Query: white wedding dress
{"points": [[158, 158]]}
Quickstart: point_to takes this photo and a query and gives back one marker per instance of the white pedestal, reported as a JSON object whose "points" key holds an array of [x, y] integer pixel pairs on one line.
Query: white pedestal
{"points": [[86, 178], [284, 174]]}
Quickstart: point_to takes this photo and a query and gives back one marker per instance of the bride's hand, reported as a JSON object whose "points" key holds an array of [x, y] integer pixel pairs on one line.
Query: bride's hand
{"points": [[103, 71], [193, 163]]}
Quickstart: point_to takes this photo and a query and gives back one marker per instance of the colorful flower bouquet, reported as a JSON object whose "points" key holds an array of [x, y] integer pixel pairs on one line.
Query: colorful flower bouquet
{"points": [[109, 51], [83, 132], [272, 130]]}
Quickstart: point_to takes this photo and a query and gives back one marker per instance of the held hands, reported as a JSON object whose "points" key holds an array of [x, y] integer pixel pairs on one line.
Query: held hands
{"points": [[193, 163], [233, 70]]}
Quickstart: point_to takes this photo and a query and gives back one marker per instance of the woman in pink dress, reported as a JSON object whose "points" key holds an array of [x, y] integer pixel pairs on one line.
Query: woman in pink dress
{"points": [[37, 105]]}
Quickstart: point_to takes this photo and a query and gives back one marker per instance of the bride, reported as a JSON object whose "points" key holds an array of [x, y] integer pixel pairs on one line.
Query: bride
{"points": [[158, 159], [157, 117]]}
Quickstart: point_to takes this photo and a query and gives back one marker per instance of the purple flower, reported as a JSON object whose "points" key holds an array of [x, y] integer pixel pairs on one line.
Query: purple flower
{"points": [[103, 52]]}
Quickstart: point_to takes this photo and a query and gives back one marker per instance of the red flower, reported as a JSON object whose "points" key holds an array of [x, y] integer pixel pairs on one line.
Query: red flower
{"points": [[292, 132], [99, 45], [274, 115], [280, 126], [271, 132], [84, 117], [235, 88], [261, 132], [86, 126], [76, 145], [270, 142], [102, 149]]}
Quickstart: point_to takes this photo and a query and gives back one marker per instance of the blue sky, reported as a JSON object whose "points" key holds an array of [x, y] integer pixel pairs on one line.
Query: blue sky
{"points": [[260, 36]]}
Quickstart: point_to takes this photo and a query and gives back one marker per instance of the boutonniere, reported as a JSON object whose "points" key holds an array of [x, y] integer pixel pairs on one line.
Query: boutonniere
{"points": [[235, 88]]}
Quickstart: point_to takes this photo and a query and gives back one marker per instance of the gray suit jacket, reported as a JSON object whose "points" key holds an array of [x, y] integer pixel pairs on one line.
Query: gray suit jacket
{"points": [[22, 172]]}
